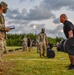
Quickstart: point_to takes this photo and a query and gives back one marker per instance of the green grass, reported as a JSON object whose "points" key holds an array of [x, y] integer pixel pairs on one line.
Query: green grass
{"points": [[29, 63]]}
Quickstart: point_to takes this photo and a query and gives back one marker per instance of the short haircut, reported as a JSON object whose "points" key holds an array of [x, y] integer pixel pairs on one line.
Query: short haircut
{"points": [[63, 15]]}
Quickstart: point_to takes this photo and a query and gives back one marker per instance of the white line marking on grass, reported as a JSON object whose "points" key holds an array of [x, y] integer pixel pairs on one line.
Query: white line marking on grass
{"points": [[31, 59], [28, 59]]}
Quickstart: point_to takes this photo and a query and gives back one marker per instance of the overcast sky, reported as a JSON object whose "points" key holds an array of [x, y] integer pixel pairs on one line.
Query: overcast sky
{"points": [[24, 14]]}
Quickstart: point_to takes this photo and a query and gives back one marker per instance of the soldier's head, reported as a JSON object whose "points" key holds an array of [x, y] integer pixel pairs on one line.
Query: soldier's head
{"points": [[43, 30], [63, 18], [3, 7]]}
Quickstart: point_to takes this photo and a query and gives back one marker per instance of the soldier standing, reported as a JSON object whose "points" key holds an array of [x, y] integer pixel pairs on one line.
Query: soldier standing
{"points": [[24, 43], [29, 43], [42, 42], [3, 29]]}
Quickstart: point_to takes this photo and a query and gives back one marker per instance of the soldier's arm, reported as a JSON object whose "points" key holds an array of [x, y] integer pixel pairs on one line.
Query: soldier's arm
{"points": [[3, 29], [70, 33]]}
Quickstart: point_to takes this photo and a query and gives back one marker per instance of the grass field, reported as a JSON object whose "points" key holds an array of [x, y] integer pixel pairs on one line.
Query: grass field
{"points": [[29, 63]]}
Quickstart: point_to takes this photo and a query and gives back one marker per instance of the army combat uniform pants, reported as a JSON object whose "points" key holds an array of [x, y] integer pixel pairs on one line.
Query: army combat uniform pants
{"points": [[42, 47], [24, 47], [2, 47]]}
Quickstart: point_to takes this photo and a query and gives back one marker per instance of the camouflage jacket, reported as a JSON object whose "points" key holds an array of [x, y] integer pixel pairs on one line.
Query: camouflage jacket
{"points": [[24, 40], [42, 37], [2, 27]]}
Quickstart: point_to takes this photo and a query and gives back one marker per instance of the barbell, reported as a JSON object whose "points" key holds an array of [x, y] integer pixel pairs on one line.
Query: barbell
{"points": [[66, 46]]}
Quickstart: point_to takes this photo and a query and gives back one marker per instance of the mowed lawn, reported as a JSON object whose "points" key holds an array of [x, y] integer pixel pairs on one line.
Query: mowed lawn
{"points": [[29, 63]]}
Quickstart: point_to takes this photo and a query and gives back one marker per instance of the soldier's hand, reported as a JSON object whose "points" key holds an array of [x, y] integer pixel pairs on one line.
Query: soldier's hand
{"points": [[7, 29]]}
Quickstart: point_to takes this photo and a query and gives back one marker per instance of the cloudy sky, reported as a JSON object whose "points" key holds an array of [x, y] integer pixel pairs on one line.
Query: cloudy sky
{"points": [[24, 14]]}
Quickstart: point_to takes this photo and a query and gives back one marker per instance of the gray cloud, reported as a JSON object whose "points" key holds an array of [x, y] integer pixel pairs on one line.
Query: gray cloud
{"points": [[17, 22], [34, 14], [21, 0], [56, 5], [55, 32], [39, 13], [25, 0], [56, 21], [16, 14]]}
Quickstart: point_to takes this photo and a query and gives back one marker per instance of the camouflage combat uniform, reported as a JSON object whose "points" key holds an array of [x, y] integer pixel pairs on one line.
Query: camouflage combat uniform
{"points": [[24, 44], [42, 40], [2, 35], [2, 29]]}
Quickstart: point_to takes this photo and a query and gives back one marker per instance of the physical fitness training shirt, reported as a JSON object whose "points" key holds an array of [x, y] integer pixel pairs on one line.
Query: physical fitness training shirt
{"points": [[67, 27]]}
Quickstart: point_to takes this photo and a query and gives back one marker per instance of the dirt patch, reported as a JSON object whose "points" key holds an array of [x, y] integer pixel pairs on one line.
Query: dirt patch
{"points": [[5, 67]]}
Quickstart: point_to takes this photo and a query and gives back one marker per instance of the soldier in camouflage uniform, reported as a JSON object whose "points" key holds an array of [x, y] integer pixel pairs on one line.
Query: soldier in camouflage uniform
{"points": [[3, 29], [24, 43], [42, 42]]}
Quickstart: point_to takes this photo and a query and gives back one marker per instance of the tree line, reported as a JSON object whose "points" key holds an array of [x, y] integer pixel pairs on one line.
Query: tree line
{"points": [[16, 39]]}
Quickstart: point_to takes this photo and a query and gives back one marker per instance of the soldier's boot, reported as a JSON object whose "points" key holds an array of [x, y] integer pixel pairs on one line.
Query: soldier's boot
{"points": [[40, 55], [37, 50], [5, 52], [43, 55]]}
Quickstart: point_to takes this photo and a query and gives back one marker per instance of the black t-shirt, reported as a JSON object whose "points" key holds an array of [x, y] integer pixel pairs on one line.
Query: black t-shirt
{"points": [[67, 27]]}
